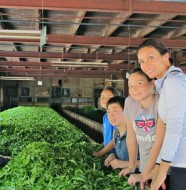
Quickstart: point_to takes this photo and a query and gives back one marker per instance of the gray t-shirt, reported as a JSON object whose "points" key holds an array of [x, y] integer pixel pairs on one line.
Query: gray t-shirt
{"points": [[144, 124]]}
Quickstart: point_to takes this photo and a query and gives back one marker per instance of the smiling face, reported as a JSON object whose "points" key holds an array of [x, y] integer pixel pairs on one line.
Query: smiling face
{"points": [[105, 96], [152, 62], [139, 87], [116, 114]]}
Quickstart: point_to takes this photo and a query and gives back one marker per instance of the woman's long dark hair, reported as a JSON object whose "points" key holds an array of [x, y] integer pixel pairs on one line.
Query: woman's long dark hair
{"points": [[158, 45]]}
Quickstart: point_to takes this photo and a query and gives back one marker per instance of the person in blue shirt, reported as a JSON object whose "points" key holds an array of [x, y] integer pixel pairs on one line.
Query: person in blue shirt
{"points": [[154, 59], [108, 129]]}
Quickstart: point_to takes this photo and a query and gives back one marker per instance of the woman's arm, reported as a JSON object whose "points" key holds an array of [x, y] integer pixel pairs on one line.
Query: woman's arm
{"points": [[160, 133], [161, 175]]}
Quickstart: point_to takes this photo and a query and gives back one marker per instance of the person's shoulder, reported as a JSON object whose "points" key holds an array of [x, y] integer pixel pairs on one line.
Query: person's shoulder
{"points": [[131, 104], [106, 120], [176, 80], [175, 74], [129, 100], [105, 116]]}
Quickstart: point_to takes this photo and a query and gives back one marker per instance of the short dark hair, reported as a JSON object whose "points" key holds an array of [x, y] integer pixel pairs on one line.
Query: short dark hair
{"points": [[111, 89], [158, 45], [139, 70], [117, 99]]}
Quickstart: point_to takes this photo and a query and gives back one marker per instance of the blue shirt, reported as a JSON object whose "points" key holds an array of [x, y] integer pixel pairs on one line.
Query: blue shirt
{"points": [[120, 146], [172, 110], [108, 130]]}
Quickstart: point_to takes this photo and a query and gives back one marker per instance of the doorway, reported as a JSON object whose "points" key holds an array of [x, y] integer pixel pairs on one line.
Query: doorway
{"points": [[10, 97]]}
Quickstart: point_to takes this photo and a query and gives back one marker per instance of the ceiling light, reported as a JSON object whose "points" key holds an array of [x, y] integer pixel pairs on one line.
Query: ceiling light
{"points": [[20, 34], [16, 78], [78, 64], [114, 80]]}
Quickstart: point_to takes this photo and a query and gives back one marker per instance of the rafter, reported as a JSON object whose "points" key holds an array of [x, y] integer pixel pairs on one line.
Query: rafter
{"points": [[86, 56], [49, 65], [96, 40], [74, 28], [158, 21], [158, 7], [151, 25], [58, 71], [9, 47]]}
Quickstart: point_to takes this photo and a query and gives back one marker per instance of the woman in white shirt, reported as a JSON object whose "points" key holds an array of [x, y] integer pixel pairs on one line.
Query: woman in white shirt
{"points": [[154, 59]]}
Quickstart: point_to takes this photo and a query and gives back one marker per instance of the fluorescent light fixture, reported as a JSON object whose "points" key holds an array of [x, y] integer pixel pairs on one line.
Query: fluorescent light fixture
{"points": [[16, 78], [43, 36], [112, 80], [78, 64], [20, 34]]}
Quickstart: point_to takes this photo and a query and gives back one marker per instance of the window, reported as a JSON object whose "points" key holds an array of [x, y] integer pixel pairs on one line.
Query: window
{"points": [[65, 92], [55, 92], [25, 91]]}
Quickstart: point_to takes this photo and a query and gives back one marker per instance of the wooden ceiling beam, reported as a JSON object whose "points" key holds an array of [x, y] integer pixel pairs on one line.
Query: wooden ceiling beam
{"points": [[96, 40], [58, 71], [60, 75], [85, 56], [48, 65], [151, 7]]}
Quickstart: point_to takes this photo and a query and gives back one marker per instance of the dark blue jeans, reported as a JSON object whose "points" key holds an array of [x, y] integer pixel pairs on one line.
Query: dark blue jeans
{"points": [[178, 178]]}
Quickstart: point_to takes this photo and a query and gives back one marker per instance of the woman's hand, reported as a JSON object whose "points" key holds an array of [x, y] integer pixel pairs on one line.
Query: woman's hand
{"points": [[158, 182]]}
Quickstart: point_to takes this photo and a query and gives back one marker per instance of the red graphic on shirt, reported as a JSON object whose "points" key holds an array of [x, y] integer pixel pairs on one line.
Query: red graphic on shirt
{"points": [[145, 122]]}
